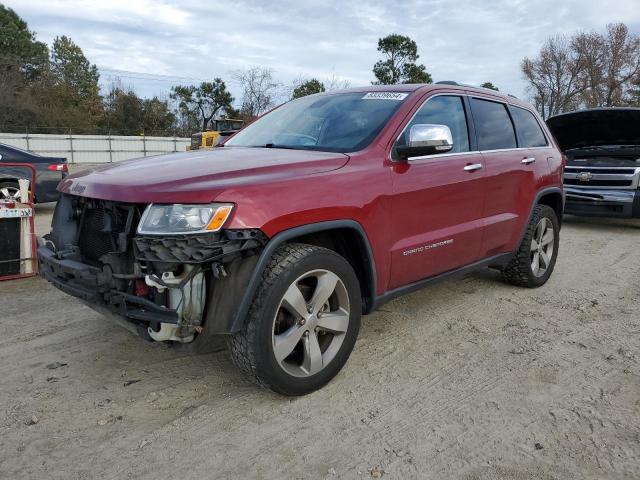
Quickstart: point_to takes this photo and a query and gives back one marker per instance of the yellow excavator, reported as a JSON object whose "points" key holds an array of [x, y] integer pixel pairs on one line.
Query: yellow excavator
{"points": [[222, 128]]}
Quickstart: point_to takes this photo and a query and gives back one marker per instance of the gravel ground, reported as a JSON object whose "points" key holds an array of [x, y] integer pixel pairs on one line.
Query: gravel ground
{"points": [[471, 379]]}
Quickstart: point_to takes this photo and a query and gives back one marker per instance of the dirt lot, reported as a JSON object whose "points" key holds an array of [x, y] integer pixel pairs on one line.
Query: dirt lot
{"points": [[472, 379]]}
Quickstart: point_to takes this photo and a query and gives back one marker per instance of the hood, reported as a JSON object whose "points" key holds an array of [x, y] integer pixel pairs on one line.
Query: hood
{"points": [[197, 176], [596, 127]]}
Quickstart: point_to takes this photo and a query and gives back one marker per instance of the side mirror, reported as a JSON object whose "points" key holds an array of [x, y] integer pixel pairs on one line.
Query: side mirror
{"points": [[426, 139]]}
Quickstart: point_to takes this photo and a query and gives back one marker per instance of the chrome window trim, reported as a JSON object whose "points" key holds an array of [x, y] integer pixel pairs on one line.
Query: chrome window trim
{"points": [[439, 155], [500, 150]]}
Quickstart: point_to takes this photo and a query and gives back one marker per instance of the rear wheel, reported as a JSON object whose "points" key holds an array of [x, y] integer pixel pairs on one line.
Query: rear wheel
{"points": [[9, 189], [536, 258], [303, 322]]}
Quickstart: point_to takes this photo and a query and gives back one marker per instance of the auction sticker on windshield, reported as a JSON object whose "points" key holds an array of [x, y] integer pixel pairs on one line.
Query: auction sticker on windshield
{"points": [[385, 96]]}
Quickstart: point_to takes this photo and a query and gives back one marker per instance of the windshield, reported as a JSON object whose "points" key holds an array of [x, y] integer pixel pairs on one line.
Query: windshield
{"points": [[336, 123]]}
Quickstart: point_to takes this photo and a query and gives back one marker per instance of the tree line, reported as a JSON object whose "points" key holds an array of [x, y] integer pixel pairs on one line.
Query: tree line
{"points": [[57, 89]]}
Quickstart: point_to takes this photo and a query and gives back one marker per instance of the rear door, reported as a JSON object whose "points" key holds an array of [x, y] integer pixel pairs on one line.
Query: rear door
{"points": [[436, 202], [509, 178], [541, 155]]}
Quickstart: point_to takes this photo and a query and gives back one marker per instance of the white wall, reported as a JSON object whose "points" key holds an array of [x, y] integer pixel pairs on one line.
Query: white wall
{"points": [[94, 148]]}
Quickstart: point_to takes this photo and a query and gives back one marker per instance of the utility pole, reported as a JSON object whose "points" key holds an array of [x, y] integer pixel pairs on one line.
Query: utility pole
{"points": [[71, 146]]}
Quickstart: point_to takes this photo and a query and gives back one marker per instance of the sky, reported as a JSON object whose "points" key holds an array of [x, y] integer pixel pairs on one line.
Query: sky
{"points": [[166, 43]]}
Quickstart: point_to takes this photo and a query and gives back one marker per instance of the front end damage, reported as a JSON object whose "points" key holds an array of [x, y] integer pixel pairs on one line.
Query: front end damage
{"points": [[165, 287]]}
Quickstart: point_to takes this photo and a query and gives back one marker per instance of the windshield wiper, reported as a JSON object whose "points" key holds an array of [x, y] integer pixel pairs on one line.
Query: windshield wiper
{"points": [[273, 145]]}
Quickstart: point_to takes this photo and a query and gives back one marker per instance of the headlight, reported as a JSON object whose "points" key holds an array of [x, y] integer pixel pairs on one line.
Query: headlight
{"points": [[178, 218]]}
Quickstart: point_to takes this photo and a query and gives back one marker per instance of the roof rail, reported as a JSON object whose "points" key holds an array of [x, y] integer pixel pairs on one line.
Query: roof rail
{"points": [[452, 82]]}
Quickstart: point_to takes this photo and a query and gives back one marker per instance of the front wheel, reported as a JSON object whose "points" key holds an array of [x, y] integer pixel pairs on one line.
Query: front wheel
{"points": [[303, 321], [536, 257]]}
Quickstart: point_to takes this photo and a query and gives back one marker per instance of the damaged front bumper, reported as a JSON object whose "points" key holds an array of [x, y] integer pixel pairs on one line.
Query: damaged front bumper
{"points": [[157, 285], [94, 285]]}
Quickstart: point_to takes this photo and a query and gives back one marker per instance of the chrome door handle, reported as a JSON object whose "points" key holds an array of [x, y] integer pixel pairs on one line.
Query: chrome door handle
{"points": [[473, 167], [528, 160]]}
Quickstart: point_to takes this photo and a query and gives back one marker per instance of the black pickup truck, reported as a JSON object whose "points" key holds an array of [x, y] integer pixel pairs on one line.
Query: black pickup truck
{"points": [[602, 174], [49, 172]]}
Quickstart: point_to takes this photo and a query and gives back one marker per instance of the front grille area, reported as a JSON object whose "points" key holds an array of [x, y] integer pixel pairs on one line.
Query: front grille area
{"points": [[95, 240], [599, 183], [602, 177], [602, 170], [103, 227]]}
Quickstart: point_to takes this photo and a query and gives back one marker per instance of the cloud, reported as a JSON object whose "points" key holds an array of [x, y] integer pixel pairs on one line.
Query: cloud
{"points": [[471, 41]]}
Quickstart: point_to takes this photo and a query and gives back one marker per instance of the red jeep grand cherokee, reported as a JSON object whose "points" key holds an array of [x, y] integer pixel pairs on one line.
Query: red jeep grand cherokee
{"points": [[318, 212]]}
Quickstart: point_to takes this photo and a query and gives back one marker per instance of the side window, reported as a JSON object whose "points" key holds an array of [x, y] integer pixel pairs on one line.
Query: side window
{"points": [[493, 125], [529, 131], [442, 110]]}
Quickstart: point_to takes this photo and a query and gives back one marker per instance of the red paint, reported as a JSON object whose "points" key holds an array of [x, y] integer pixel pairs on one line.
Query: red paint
{"points": [[402, 206], [142, 289]]}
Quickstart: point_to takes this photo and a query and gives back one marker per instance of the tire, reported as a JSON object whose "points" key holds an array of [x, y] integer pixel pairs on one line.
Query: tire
{"points": [[521, 269], [8, 187], [307, 270]]}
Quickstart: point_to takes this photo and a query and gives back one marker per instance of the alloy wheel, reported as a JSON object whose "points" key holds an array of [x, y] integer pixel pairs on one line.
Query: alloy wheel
{"points": [[8, 192], [542, 247], [311, 322]]}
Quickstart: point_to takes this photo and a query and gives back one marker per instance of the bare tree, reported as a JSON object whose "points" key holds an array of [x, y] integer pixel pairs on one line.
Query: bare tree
{"points": [[554, 77], [611, 63], [334, 82], [259, 90], [591, 47], [588, 70]]}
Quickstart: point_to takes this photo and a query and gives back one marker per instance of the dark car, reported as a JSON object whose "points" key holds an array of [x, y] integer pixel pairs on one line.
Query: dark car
{"points": [[320, 211], [602, 146], [49, 172]]}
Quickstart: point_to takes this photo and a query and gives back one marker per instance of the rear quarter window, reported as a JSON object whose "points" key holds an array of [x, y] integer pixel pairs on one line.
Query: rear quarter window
{"points": [[494, 129], [529, 132]]}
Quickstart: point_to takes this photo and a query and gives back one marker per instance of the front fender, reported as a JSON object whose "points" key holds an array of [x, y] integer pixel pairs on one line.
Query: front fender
{"points": [[249, 273]]}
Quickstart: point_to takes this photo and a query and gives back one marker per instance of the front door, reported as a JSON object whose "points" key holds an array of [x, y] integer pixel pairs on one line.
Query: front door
{"points": [[437, 201]]}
